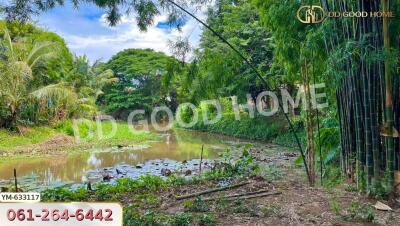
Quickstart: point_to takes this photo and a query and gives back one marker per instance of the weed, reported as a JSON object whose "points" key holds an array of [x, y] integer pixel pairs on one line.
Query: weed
{"points": [[240, 207], [175, 180], [357, 211], [378, 190], [149, 199], [271, 210], [108, 192], [134, 218], [244, 166], [271, 172], [351, 188], [207, 220], [253, 210], [64, 194], [334, 205], [332, 176], [221, 204], [182, 219], [197, 205]]}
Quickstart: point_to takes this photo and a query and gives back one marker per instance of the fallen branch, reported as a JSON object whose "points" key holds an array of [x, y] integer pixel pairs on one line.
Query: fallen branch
{"points": [[255, 196], [211, 191], [248, 194]]}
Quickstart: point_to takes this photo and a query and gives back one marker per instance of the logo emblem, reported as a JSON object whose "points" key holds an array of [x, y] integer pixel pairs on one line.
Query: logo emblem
{"points": [[312, 14]]}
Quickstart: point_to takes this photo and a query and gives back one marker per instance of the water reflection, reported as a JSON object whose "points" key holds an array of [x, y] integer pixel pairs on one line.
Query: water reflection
{"points": [[175, 145]]}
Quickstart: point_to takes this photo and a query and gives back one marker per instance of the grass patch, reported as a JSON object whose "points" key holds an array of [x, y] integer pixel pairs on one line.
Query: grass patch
{"points": [[35, 135], [90, 131], [31, 136]]}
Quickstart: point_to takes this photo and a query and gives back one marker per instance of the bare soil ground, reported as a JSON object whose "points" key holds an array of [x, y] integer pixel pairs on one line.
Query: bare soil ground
{"points": [[297, 203], [55, 145]]}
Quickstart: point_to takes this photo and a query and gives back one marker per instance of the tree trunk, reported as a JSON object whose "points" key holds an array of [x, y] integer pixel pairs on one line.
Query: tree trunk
{"points": [[388, 98], [12, 121], [310, 132]]}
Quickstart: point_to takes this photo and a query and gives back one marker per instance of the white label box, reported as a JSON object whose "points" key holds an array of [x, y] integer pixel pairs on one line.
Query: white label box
{"points": [[63, 214]]}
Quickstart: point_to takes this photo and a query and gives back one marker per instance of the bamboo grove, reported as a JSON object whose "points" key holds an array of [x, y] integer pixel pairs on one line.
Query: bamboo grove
{"points": [[368, 95]]}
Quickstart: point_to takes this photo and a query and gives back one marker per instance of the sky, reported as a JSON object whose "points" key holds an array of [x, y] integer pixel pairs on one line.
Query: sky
{"points": [[86, 31]]}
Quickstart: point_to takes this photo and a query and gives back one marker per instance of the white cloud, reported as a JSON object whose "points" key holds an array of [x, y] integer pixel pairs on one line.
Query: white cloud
{"points": [[99, 41]]}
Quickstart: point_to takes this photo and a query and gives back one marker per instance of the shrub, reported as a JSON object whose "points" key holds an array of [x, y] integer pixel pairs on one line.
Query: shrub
{"points": [[357, 211], [207, 220], [150, 218], [198, 205], [182, 219], [64, 194]]}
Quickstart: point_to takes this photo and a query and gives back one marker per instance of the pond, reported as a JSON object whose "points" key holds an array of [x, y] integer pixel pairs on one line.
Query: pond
{"points": [[177, 150]]}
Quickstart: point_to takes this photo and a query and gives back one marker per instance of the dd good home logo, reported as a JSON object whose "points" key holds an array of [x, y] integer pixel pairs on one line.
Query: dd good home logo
{"points": [[311, 14]]}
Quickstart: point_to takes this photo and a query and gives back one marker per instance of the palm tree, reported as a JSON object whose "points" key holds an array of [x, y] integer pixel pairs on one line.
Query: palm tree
{"points": [[88, 81], [17, 73]]}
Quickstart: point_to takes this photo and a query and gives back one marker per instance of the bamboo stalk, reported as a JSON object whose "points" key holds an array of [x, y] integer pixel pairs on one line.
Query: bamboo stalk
{"points": [[388, 97]]}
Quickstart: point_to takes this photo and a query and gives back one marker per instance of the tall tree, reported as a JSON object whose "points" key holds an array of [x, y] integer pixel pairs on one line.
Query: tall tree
{"points": [[139, 73], [17, 73]]}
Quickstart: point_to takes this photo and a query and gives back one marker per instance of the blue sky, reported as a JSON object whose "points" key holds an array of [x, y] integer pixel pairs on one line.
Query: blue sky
{"points": [[86, 31]]}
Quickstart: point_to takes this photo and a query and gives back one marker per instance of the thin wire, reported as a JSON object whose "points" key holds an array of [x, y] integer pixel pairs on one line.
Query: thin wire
{"points": [[257, 74], [318, 124]]}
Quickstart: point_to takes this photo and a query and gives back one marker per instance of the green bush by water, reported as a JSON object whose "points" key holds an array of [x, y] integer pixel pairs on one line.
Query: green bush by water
{"points": [[84, 129], [34, 135], [257, 128]]}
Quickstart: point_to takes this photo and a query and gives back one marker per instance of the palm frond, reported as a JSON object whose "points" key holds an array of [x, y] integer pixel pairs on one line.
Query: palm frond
{"points": [[41, 51], [60, 91], [9, 44]]}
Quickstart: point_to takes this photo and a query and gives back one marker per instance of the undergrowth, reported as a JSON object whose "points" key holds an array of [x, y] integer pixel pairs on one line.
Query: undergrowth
{"points": [[143, 194]]}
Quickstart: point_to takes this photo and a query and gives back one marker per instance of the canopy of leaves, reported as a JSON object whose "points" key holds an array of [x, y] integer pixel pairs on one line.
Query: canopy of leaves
{"points": [[217, 71], [19, 68], [54, 70], [146, 10], [139, 72], [41, 81]]}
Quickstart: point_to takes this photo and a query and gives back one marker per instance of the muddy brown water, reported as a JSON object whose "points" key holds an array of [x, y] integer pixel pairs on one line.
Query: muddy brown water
{"points": [[178, 150]]}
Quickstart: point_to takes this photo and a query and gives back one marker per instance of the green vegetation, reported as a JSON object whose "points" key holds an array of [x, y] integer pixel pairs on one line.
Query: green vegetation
{"points": [[90, 131], [354, 138], [256, 128], [34, 135], [88, 134], [41, 81], [140, 73], [143, 198], [216, 70], [198, 205], [357, 211], [272, 210]]}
